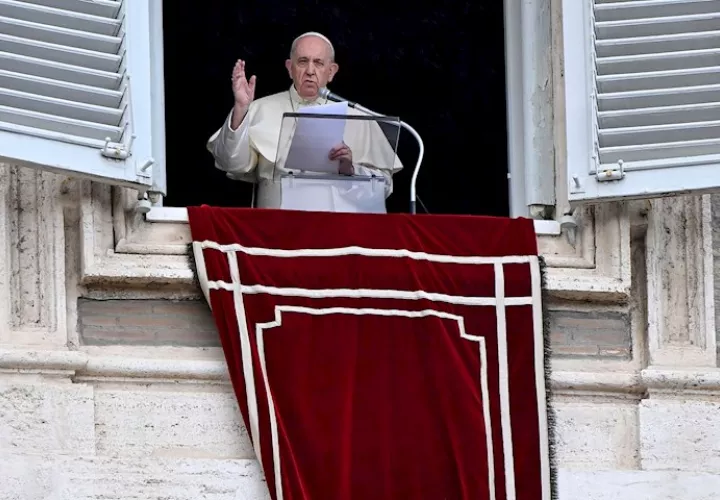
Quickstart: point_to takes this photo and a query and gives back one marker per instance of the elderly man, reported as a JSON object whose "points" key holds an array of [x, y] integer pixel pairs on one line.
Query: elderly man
{"points": [[246, 145]]}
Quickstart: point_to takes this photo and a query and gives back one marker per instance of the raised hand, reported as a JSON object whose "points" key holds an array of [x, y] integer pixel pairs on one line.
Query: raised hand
{"points": [[243, 89]]}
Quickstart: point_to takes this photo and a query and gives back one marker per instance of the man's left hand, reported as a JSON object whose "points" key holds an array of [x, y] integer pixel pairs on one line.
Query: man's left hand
{"points": [[343, 154]]}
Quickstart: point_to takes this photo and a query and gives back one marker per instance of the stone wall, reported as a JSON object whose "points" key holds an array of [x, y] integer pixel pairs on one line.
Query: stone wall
{"points": [[577, 330], [108, 389], [151, 322], [716, 262]]}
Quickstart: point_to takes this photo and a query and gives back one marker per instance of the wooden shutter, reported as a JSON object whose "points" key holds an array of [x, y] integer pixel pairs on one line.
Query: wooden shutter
{"points": [[642, 97], [76, 89]]}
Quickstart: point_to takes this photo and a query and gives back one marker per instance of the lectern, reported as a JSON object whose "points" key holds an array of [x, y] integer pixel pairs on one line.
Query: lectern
{"points": [[309, 180]]}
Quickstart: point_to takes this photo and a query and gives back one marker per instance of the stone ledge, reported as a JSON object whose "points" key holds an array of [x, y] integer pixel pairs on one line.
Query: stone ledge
{"points": [[136, 269], [162, 265], [45, 361], [189, 370], [664, 380], [597, 383], [661, 381], [88, 366], [157, 253]]}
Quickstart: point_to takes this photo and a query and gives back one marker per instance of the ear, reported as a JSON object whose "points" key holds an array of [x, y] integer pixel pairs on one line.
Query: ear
{"points": [[288, 66], [333, 69]]}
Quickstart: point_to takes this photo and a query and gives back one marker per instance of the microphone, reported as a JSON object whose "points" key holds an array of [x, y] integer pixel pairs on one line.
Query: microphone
{"points": [[325, 92]]}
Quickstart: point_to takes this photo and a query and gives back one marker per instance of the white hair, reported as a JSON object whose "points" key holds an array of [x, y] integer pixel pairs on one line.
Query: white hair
{"points": [[316, 35]]}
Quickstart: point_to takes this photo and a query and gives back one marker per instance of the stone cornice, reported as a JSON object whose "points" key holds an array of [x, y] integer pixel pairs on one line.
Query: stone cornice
{"points": [[83, 366]]}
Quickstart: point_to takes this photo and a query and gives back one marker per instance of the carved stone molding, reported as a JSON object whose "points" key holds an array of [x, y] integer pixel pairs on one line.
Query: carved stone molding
{"points": [[595, 266], [103, 261], [606, 383], [136, 236], [139, 365], [681, 319], [32, 268], [598, 265], [560, 252]]}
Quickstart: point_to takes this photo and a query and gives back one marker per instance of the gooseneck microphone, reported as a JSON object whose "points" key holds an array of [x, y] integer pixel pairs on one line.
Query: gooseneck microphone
{"points": [[325, 92]]}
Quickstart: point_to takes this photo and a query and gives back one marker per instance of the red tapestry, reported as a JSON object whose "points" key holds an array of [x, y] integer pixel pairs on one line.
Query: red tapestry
{"points": [[383, 357]]}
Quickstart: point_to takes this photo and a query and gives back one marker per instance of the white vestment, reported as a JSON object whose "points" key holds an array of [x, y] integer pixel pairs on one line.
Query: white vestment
{"points": [[249, 152]]}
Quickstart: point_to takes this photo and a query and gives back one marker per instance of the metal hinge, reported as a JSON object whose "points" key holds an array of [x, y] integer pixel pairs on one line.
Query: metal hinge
{"points": [[611, 174]]}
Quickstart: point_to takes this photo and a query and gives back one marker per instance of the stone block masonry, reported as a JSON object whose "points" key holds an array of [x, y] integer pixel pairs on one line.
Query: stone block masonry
{"points": [[180, 323], [189, 323]]}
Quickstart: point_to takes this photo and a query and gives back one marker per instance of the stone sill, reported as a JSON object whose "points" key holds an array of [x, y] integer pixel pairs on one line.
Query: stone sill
{"points": [[80, 364], [86, 366], [179, 215], [155, 252]]}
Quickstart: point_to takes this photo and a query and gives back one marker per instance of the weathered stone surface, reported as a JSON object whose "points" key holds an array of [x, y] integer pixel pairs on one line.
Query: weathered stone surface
{"points": [[168, 423], [46, 417], [716, 264], [637, 485], [52, 477], [680, 435], [76, 424], [681, 319], [152, 322], [592, 435], [590, 332]]}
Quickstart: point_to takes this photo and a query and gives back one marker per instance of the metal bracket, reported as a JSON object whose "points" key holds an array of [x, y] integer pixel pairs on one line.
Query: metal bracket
{"points": [[569, 226], [116, 150], [611, 174], [144, 169], [576, 185], [143, 204]]}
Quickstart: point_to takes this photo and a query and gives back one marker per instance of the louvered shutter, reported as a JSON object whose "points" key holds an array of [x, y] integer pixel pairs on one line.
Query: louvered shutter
{"points": [[642, 85], [76, 89]]}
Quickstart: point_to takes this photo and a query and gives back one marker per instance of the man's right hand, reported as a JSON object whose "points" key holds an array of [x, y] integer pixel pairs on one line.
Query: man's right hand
{"points": [[244, 92]]}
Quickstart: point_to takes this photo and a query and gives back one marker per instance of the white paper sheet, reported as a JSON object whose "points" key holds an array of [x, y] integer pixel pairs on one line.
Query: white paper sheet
{"points": [[315, 137]]}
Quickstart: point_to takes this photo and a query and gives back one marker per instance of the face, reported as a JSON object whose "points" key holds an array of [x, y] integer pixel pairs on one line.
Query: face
{"points": [[310, 66]]}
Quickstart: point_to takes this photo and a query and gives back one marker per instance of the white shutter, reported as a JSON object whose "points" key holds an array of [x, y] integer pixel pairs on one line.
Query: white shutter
{"points": [[75, 88], [642, 85]]}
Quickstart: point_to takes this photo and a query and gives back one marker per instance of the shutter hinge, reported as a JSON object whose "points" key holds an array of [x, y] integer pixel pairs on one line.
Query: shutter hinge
{"points": [[611, 174]]}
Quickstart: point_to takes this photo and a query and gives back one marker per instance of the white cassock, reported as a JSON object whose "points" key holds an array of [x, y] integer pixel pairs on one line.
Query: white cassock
{"points": [[249, 152]]}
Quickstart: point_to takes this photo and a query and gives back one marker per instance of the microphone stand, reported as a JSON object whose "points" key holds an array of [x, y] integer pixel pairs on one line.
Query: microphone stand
{"points": [[413, 181]]}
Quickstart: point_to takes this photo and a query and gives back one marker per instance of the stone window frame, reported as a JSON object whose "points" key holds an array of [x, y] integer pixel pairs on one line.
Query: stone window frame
{"points": [[592, 260]]}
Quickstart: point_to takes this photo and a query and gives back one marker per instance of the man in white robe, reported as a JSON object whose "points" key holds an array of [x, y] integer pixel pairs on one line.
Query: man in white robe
{"points": [[246, 145]]}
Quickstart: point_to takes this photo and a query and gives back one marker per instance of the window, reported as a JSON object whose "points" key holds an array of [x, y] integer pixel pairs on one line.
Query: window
{"points": [[642, 98], [82, 91], [76, 90], [439, 66]]}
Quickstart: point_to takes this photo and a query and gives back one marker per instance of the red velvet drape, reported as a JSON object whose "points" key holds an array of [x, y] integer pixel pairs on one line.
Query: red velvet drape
{"points": [[383, 357]]}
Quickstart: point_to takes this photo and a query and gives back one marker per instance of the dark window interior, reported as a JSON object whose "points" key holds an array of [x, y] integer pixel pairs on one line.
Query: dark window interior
{"points": [[437, 65]]}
